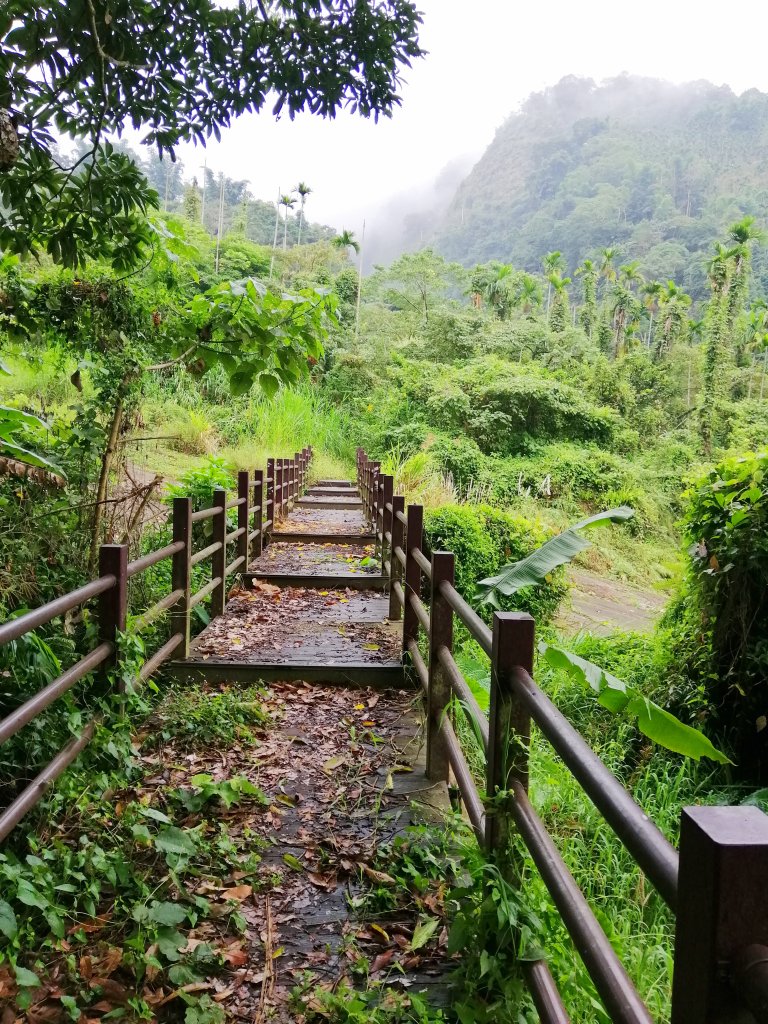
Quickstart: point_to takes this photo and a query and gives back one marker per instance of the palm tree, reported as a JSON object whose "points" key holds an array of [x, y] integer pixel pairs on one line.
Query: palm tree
{"points": [[629, 274], [303, 190], [558, 314], [673, 310], [529, 295], [588, 316], [754, 339], [497, 288], [288, 202], [607, 269], [743, 233], [623, 308], [552, 263], [346, 240], [652, 291], [719, 272]]}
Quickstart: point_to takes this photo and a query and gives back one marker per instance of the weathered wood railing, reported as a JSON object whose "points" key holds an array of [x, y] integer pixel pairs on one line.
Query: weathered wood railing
{"points": [[260, 502], [717, 885]]}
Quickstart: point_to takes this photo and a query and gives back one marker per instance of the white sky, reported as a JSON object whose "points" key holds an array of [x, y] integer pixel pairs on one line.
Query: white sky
{"points": [[485, 57]]}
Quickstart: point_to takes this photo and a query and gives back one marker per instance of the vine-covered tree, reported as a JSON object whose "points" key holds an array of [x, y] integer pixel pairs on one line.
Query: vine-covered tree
{"points": [[178, 72]]}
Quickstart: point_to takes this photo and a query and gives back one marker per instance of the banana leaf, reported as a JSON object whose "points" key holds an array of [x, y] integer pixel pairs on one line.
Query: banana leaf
{"points": [[530, 571], [620, 698]]}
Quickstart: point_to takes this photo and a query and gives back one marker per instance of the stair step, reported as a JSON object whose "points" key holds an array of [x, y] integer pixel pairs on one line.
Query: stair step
{"points": [[305, 581]]}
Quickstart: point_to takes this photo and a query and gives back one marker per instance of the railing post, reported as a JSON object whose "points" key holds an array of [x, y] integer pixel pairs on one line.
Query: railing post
{"points": [[244, 517], [722, 914], [509, 725], [387, 492], [113, 604], [439, 691], [219, 558], [297, 475], [396, 566], [181, 572], [269, 509], [378, 523], [414, 539], [258, 510]]}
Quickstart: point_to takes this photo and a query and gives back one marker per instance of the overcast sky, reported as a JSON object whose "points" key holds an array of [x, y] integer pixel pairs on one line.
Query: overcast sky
{"points": [[485, 57]]}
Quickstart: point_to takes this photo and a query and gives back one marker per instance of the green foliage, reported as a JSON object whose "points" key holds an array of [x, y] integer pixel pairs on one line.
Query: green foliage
{"points": [[92, 71], [719, 624], [203, 717], [500, 406], [200, 482], [483, 538], [534, 569], [619, 698]]}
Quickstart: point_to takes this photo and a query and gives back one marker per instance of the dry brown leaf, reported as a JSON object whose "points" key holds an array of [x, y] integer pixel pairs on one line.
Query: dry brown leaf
{"points": [[238, 893]]}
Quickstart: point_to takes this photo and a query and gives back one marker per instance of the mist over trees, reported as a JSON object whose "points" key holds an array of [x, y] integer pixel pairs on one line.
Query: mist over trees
{"points": [[653, 168]]}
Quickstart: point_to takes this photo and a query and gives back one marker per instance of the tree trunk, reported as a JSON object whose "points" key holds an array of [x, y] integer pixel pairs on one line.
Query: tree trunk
{"points": [[762, 376], [107, 459]]}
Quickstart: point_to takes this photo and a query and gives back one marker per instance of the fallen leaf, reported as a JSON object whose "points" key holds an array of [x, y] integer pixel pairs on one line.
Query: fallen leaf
{"points": [[238, 893], [382, 960], [293, 862]]}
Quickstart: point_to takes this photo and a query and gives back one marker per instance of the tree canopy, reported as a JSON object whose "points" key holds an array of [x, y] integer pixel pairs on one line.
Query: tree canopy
{"points": [[86, 69]]}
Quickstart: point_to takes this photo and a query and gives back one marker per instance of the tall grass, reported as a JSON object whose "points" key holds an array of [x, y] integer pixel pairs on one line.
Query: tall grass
{"points": [[197, 421]]}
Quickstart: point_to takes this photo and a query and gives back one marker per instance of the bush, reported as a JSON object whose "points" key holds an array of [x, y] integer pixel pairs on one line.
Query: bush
{"points": [[460, 457], [483, 539], [719, 624], [501, 406]]}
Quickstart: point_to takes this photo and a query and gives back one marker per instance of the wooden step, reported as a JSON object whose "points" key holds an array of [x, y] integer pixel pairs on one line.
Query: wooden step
{"points": [[333, 492], [329, 503], [350, 581], [336, 483], [322, 538], [376, 676]]}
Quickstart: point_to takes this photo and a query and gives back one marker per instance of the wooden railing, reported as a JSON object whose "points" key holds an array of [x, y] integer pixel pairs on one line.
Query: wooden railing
{"points": [[259, 502], [717, 885]]}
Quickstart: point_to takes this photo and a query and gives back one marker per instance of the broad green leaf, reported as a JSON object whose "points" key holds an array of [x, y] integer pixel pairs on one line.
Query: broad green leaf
{"points": [[424, 931], [152, 812], [621, 698], [170, 941], [25, 978], [269, 384], [167, 913], [175, 840], [8, 925], [530, 571]]}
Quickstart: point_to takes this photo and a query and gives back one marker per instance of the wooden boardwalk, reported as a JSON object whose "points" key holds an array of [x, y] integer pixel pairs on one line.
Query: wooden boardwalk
{"points": [[343, 763], [311, 607]]}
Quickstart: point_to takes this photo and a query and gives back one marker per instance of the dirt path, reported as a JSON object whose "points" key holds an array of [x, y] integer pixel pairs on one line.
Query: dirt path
{"points": [[603, 606]]}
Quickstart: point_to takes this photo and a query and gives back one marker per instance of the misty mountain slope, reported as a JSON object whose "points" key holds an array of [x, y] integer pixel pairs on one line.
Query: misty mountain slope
{"points": [[655, 169]]}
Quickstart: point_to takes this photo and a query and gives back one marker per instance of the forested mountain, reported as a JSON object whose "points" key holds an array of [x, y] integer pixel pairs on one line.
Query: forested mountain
{"points": [[654, 169]]}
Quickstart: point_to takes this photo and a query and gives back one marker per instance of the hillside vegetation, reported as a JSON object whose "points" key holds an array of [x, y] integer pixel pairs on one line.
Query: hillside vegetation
{"points": [[655, 169]]}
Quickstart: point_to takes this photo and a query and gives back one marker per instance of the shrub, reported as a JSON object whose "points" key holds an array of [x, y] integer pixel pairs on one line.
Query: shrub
{"points": [[719, 624], [502, 405], [461, 457], [483, 539]]}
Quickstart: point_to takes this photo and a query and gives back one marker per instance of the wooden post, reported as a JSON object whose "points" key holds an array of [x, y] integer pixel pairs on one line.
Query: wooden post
{"points": [[244, 517], [396, 576], [113, 604], [439, 692], [414, 538], [387, 492], [219, 558], [259, 498], [278, 489], [269, 509], [722, 911], [181, 572], [509, 724], [297, 475]]}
